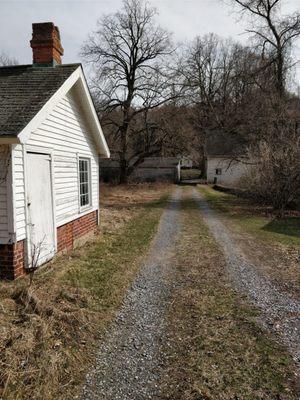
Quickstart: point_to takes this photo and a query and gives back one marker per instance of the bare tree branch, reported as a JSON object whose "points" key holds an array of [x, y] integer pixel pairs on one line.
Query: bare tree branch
{"points": [[6, 60], [130, 53], [276, 34]]}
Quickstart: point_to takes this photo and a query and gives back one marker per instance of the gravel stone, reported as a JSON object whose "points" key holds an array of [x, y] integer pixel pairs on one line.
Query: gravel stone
{"points": [[280, 312], [129, 363]]}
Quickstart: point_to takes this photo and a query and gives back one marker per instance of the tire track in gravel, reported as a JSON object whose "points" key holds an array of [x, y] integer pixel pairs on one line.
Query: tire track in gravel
{"points": [[129, 362], [280, 312]]}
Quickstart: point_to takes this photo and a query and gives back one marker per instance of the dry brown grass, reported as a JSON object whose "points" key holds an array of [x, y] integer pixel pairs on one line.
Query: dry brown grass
{"points": [[216, 349], [50, 330], [118, 204], [41, 326]]}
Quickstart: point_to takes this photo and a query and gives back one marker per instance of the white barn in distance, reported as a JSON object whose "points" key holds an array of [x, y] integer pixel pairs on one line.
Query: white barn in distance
{"points": [[222, 155], [50, 143]]}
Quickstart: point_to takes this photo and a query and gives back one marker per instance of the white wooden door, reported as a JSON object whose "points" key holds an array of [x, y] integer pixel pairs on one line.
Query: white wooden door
{"points": [[40, 209]]}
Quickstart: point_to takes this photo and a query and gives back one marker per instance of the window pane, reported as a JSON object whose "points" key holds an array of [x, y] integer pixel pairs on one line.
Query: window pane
{"points": [[84, 172]]}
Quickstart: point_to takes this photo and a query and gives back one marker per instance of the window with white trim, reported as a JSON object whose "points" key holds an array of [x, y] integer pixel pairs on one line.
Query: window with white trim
{"points": [[84, 182], [218, 171]]}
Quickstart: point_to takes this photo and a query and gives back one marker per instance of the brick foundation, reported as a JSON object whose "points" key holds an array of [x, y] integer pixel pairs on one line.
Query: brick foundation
{"points": [[12, 256], [68, 234]]}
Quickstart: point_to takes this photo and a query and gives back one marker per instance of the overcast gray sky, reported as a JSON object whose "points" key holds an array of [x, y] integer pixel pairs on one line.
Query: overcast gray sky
{"points": [[77, 18]]}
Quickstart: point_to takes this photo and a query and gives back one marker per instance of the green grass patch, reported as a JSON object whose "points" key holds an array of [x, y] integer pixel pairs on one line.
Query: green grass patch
{"points": [[192, 173], [285, 230], [107, 267]]}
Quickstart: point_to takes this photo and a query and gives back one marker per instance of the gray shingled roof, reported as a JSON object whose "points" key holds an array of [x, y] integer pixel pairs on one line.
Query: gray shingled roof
{"points": [[24, 90], [218, 143], [159, 162], [149, 162]]}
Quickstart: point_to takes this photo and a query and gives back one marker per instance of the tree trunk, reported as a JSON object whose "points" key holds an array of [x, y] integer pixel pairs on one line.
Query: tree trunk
{"points": [[280, 74], [202, 163], [123, 161], [123, 172]]}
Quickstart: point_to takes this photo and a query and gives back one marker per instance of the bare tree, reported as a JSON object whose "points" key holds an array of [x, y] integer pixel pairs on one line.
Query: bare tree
{"points": [[129, 54], [6, 60], [221, 77], [276, 177], [36, 249], [275, 144], [221, 88], [275, 34]]}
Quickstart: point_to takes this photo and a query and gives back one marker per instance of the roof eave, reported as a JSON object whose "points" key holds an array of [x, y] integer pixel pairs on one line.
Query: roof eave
{"points": [[103, 149], [24, 135], [227, 156]]}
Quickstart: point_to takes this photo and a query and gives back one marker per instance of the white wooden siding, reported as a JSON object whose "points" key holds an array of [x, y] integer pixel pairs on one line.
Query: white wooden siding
{"points": [[232, 172], [19, 191], [66, 133], [4, 210]]}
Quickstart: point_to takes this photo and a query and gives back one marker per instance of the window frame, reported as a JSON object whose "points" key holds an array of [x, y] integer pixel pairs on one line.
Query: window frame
{"points": [[87, 206], [218, 171]]}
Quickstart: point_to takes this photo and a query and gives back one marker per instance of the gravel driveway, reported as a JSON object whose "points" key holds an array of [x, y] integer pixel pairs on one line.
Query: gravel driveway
{"points": [[130, 362], [279, 312]]}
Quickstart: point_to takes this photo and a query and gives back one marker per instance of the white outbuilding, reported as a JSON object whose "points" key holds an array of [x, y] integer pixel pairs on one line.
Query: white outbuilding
{"points": [[225, 160], [50, 142]]}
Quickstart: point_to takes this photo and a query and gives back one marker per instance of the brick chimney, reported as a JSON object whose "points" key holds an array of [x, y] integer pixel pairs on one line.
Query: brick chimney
{"points": [[45, 44]]}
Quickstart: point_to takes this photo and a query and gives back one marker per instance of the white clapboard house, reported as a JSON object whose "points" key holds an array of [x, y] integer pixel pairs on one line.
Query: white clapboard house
{"points": [[50, 142], [225, 159]]}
